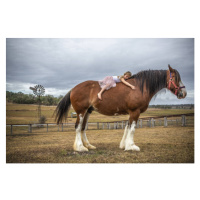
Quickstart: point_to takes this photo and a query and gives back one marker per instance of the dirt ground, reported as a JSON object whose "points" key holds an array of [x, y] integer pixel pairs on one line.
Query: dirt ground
{"points": [[157, 145]]}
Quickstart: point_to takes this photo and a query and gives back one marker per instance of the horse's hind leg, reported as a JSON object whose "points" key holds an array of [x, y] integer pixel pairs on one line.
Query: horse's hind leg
{"points": [[78, 144], [85, 141]]}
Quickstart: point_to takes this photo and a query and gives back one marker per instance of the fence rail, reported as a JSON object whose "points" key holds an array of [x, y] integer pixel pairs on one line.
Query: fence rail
{"points": [[170, 120]]}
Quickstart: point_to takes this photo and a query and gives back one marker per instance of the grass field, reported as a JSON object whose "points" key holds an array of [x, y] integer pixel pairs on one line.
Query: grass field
{"points": [[158, 144], [26, 114]]}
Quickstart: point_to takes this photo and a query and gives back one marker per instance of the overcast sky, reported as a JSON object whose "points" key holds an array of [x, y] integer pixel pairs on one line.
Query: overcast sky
{"points": [[60, 64]]}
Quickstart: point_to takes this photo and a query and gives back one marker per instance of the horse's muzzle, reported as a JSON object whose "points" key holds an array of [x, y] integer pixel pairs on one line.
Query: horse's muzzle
{"points": [[181, 94]]}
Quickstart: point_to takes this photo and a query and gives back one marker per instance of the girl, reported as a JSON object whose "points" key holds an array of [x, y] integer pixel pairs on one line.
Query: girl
{"points": [[110, 81]]}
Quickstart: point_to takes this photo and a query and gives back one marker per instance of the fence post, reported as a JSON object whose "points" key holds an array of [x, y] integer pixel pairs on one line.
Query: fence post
{"points": [[149, 122], [102, 125], [140, 123], [47, 127], [137, 124], [165, 121], [108, 125], [183, 120], [11, 129], [30, 128], [97, 125], [152, 122], [62, 127]]}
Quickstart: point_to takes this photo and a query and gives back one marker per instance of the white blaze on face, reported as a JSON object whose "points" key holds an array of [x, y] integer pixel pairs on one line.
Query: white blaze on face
{"points": [[183, 90]]}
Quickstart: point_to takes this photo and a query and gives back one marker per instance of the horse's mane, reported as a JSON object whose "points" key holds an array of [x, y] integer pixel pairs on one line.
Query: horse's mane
{"points": [[154, 80]]}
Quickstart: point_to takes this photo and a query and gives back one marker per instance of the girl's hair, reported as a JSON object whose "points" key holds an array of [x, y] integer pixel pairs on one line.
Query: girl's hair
{"points": [[126, 73]]}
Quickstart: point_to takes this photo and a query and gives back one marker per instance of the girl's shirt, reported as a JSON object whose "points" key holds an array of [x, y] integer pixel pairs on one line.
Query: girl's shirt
{"points": [[116, 79]]}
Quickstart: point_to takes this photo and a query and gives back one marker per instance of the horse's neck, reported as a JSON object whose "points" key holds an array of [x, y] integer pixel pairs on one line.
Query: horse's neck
{"points": [[151, 82], [163, 84]]}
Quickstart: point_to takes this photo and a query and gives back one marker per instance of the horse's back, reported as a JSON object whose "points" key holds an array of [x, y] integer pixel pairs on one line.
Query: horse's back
{"points": [[85, 88]]}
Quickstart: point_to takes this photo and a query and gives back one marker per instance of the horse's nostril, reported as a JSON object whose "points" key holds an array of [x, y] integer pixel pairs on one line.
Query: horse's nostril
{"points": [[180, 95]]}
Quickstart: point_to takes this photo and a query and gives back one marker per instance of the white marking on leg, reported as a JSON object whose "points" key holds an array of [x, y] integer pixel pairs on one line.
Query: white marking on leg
{"points": [[122, 143], [78, 144], [129, 142], [86, 143]]}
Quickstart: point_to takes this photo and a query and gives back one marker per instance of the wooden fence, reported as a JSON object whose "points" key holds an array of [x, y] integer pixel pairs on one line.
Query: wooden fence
{"points": [[171, 120]]}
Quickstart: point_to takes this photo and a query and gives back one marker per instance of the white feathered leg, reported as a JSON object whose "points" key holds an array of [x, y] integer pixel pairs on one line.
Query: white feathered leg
{"points": [[86, 143], [78, 144], [129, 142], [122, 143]]}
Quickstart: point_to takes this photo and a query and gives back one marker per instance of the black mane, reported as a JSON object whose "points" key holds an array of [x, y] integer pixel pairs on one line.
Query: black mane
{"points": [[154, 80]]}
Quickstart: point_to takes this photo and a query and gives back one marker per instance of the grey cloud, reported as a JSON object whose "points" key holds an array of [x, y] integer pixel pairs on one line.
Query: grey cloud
{"points": [[63, 63]]}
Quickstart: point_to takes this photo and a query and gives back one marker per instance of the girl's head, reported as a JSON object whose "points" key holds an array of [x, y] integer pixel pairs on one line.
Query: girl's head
{"points": [[127, 75]]}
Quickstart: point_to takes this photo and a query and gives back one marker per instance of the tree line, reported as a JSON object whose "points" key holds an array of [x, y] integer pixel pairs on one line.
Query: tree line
{"points": [[22, 98]]}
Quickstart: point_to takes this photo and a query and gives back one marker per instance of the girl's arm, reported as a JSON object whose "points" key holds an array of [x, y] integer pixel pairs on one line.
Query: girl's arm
{"points": [[128, 84]]}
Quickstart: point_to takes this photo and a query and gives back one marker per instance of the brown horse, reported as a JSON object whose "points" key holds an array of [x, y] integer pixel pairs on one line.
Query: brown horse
{"points": [[118, 100]]}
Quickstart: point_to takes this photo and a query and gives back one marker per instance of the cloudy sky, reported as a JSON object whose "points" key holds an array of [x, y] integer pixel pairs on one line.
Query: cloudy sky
{"points": [[60, 64]]}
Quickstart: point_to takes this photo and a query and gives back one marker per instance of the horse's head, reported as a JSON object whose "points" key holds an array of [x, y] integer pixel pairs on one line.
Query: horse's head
{"points": [[174, 83]]}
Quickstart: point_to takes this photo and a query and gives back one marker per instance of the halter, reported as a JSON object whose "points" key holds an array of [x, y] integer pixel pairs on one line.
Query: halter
{"points": [[172, 82]]}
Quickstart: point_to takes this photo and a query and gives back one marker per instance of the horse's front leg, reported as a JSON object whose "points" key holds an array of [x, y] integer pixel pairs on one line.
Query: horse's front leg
{"points": [[129, 139], [122, 143], [129, 142]]}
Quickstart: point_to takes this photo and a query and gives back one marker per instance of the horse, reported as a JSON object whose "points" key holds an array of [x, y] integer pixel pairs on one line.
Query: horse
{"points": [[119, 100]]}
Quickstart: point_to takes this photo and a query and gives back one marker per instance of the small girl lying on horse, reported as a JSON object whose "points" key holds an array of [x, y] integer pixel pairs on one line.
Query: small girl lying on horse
{"points": [[110, 81]]}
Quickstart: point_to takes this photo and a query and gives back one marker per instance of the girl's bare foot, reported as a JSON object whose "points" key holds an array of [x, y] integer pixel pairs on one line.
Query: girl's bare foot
{"points": [[99, 96]]}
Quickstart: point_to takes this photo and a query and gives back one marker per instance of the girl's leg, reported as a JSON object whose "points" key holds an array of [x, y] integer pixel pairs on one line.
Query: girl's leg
{"points": [[102, 90]]}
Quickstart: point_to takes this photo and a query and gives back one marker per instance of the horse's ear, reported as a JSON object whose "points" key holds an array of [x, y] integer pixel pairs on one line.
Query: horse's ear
{"points": [[170, 68]]}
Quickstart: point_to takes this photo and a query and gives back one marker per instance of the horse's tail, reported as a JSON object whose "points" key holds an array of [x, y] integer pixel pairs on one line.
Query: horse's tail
{"points": [[62, 108]]}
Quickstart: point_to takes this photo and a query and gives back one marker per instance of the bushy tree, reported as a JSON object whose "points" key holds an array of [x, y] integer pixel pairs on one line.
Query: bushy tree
{"points": [[21, 98]]}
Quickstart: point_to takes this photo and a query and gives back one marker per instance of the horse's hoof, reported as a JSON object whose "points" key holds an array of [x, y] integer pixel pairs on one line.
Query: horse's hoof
{"points": [[91, 146], [132, 148], [80, 149], [121, 146]]}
